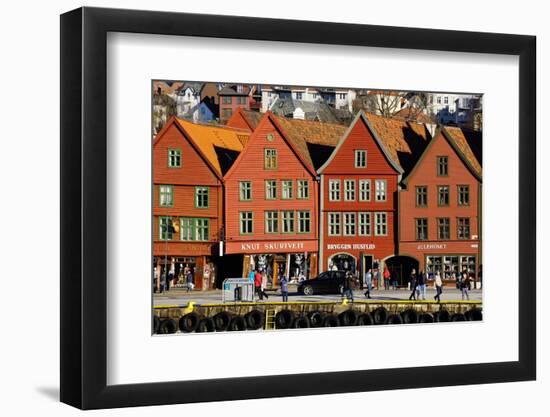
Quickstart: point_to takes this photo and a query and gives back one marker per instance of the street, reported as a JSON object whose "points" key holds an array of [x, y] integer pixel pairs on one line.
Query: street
{"points": [[179, 296]]}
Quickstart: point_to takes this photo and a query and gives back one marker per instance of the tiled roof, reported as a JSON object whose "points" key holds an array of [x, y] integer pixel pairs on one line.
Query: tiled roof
{"points": [[404, 141], [406, 113], [219, 145], [468, 143], [314, 140], [230, 91], [313, 110]]}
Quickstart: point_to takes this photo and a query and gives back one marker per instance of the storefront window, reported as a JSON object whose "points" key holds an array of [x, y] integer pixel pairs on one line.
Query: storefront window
{"points": [[451, 266]]}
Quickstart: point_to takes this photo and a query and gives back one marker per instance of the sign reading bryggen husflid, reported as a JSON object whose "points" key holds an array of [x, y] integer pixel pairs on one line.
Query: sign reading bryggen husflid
{"points": [[295, 197]]}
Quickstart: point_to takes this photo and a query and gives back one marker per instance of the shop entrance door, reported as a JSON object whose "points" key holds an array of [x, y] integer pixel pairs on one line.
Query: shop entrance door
{"points": [[400, 267]]}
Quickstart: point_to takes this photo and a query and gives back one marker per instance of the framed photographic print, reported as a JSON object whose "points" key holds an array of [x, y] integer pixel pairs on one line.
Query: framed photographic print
{"points": [[280, 208]]}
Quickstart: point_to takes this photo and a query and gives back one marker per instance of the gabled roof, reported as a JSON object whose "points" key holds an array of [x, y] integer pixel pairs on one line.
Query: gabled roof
{"points": [[314, 140], [303, 158], [407, 113], [218, 145], [285, 106], [230, 91], [400, 141], [404, 141], [459, 140], [468, 144]]}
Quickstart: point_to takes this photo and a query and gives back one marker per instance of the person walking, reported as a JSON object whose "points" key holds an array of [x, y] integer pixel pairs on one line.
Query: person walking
{"points": [[284, 289], [258, 285], [348, 287], [387, 275], [368, 283], [251, 275], [412, 281], [190, 280], [421, 285], [465, 286], [438, 287]]}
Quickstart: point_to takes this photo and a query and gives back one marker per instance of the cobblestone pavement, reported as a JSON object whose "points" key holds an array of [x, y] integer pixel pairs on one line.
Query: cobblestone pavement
{"points": [[181, 296]]}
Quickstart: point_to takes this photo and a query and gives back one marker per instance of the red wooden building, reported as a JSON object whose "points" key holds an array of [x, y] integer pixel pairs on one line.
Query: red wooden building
{"points": [[189, 161], [440, 206], [359, 183], [271, 203]]}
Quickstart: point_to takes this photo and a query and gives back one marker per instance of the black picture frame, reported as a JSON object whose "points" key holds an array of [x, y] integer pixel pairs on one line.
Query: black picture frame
{"points": [[84, 207]]}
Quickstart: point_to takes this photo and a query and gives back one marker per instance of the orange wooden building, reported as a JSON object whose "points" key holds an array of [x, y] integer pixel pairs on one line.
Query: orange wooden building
{"points": [[189, 161], [271, 199], [359, 183], [440, 206]]}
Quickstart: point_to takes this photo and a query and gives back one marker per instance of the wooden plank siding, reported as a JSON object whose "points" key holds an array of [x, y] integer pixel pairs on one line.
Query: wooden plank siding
{"points": [[425, 174], [194, 171], [250, 167], [341, 166]]}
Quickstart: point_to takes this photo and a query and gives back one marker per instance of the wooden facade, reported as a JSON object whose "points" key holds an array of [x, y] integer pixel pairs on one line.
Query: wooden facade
{"points": [[271, 198], [188, 194], [358, 209], [439, 207]]}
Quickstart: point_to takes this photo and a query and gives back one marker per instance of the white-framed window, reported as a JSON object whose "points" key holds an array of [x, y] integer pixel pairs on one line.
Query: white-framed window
{"points": [[364, 190], [245, 190], [166, 196], [304, 221], [360, 158], [381, 190], [303, 189], [287, 192], [334, 190], [380, 224], [201, 229], [201, 197], [272, 222], [334, 224], [349, 190], [364, 224], [287, 220], [246, 222], [270, 189], [349, 224]]}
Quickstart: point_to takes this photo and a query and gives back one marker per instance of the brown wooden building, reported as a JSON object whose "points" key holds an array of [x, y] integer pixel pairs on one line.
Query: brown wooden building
{"points": [[359, 183], [189, 161], [271, 204], [440, 206]]}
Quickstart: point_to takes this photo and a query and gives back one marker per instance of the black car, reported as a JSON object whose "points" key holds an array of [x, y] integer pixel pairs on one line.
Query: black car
{"points": [[330, 282]]}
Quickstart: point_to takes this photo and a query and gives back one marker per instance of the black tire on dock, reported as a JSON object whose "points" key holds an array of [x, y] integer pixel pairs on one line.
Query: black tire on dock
{"points": [[238, 323], [426, 318], [189, 322], [284, 319], [395, 319], [442, 316], [410, 316], [348, 318], [380, 315], [206, 325], [458, 317], [365, 319], [475, 314], [254, 319], [315, 319], [168, 326], [221, 321], [330, 320], [156, 324], [301, 322]]}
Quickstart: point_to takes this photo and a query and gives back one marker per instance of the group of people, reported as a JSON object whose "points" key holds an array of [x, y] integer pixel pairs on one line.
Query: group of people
{"points": [[260, 283], [167, 280], [418, 284]]}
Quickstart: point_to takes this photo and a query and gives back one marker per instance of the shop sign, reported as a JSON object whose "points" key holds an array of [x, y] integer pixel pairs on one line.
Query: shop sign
{"points": [[431, 246], [351, 246], [271, 247]]}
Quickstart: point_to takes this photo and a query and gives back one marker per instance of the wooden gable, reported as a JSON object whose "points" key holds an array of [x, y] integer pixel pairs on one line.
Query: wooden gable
{"points": [[360, 136]]}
